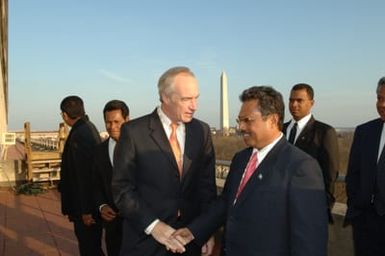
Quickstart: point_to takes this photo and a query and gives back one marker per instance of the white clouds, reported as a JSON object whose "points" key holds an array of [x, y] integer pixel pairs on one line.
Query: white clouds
{"points": [[114, 77]]}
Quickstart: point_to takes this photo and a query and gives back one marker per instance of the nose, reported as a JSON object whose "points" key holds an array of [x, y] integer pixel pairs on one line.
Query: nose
{"points": [[294, 103], [241, 125], [194, 104]]}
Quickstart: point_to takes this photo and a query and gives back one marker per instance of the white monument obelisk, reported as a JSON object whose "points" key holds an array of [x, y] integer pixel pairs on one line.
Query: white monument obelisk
{"points": [[224, 125]]}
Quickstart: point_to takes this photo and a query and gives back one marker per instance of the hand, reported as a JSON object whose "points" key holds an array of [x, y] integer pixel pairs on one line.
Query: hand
{"points": [[208, 247], [88, 220], [161, 232], [179, 239], [107, 213]]}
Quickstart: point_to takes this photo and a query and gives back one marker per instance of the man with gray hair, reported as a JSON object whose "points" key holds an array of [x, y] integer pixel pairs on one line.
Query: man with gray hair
{"points": [[164, 169], [365, 183]]}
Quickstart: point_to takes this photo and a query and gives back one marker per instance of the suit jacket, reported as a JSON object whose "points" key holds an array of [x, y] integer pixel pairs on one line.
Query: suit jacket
{"points": [[362, 169], [281, 210], [75, 183], [320, 141], [102, 176], [146, 184]]}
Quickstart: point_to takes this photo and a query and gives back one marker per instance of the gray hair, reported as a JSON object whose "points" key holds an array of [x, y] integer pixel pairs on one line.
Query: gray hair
{"points": [[166, 81]]}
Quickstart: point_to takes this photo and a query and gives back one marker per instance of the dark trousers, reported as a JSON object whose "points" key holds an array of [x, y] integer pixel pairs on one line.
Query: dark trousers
{"points": [[89, 238], [113, 236], [369, 234]]}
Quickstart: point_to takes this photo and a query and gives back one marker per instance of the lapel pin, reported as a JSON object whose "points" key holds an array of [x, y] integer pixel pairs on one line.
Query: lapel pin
{"points": [[260, 176]]}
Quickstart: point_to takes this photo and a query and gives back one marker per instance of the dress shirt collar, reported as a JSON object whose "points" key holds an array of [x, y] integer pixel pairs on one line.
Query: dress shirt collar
{"points": [[180, 131], [301, 123], [262, 153]]}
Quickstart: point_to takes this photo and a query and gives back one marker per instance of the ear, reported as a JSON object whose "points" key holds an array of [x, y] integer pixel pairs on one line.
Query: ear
{"points": [[274, 120], [166, 98]]}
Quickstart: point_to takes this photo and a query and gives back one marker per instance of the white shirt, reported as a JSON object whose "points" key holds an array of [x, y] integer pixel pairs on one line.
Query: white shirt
{"points": [[111, 148], [181, 137], [382, 142], [180, 130], [261, 154], [300, 125]]}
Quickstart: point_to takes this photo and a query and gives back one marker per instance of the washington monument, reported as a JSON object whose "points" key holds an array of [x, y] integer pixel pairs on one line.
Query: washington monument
{"points": [[224, 125]]}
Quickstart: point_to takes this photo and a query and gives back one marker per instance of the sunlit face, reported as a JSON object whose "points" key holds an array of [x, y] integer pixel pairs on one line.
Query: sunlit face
{"points": [[181, 104], [113, 121], [256, 131], [300, 104], [381, 102]]}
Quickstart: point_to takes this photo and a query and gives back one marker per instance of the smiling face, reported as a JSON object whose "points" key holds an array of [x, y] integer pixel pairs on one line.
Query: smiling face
{"points": [[181, 103], [257, 131], [300, 104], [113, 120]]}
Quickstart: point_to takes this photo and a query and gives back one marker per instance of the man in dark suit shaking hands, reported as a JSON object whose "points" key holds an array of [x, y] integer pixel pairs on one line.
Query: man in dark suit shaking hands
{"points": [[314, 137], [115, 114], [164, 168], [365, 183], [273, 202]]}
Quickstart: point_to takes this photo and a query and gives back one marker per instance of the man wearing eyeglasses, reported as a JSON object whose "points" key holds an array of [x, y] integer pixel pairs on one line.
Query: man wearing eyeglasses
{"points": [[273, 202]]}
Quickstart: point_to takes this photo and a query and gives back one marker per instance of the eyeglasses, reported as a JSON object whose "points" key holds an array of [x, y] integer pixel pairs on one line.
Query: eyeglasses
{"points": [[245, 120]]}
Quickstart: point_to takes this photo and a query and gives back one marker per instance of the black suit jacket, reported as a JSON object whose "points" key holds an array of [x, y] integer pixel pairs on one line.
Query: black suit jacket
{"points": [[146, 184], [75, 176], [320, 141], [102, 176], [281, 210], [362, 167]]}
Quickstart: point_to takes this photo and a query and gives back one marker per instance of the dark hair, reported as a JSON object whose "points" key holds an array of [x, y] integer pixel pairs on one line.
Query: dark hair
{"points": [[116, 105], [380, 83], [73, 106], [303, 86], [269, 100]]}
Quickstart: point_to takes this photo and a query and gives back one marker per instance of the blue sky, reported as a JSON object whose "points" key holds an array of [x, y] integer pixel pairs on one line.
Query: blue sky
{"points": [[103, 50]]}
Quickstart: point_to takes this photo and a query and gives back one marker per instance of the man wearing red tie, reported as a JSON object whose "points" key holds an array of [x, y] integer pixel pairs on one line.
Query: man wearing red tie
{"points": [[273, 202]]}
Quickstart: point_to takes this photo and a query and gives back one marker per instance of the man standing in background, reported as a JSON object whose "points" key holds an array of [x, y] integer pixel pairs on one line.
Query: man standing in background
{"points": [[314, 137], [115, 114], [365, 183], [75, 176]]}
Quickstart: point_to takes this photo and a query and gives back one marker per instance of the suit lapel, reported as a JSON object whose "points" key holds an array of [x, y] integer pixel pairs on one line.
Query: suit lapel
{"points": [[237, 176], [158, 134], [305, 131], [106, 155], [188, 149], [376, 138], [263, 171]]}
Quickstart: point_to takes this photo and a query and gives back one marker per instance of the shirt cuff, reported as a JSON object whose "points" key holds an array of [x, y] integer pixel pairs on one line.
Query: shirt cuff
{"points": [[150, 227], [101, 206]]}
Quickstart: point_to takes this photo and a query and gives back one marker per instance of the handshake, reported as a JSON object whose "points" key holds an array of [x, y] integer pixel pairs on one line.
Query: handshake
{"points": [[176, 240]]}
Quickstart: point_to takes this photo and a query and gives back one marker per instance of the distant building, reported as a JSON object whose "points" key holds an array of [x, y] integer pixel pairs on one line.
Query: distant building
{"points": [[224, 106]]}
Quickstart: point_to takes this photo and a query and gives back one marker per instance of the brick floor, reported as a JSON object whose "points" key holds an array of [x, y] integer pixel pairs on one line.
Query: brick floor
{"points": [[33, 225]]}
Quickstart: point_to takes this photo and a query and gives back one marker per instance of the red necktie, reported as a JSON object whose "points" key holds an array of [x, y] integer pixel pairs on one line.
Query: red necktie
{"points": [[250, 169], [175, 147]]}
